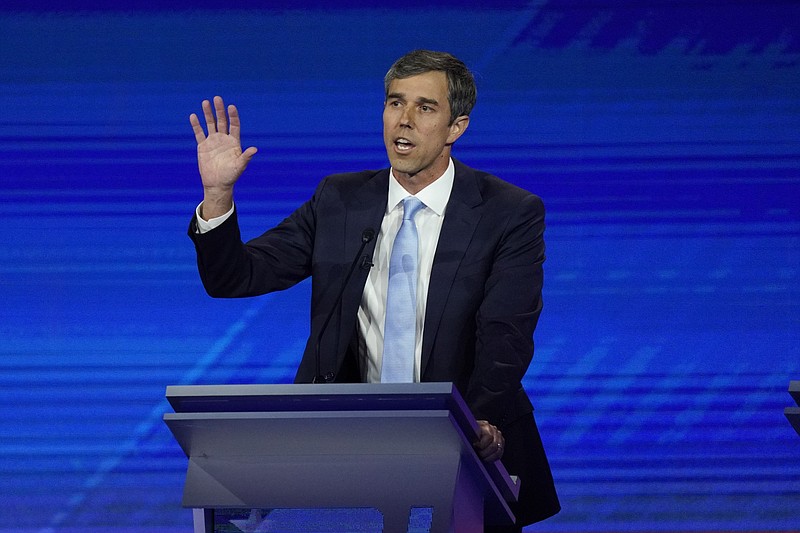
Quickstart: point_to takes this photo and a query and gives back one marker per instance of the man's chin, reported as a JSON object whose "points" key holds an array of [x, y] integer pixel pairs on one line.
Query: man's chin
{"points": [[403, 167], [402, 174]]}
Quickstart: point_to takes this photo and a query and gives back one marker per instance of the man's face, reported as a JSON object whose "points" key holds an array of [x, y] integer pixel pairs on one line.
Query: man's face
{"points": [[416, 129]]}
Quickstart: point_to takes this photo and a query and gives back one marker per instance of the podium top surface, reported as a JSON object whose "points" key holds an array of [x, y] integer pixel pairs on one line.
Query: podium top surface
{"points": [[313, 397], [794, 390]]}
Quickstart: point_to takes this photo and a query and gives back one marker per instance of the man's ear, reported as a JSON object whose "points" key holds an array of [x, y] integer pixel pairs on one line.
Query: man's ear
{"points": [[457, 128]]}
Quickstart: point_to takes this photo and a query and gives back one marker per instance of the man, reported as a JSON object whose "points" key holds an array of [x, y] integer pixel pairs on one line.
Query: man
{"points": [[470, 281]]}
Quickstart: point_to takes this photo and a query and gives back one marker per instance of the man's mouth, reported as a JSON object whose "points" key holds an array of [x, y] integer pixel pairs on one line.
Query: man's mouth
{"points": [[403, 145]]}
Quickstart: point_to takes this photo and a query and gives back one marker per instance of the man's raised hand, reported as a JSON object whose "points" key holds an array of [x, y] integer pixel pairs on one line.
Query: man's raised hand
{"points": [[219, 155]]}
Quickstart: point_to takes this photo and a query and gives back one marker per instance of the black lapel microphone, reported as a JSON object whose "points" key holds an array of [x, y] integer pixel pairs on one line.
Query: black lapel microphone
{"points": [[366, 236]]}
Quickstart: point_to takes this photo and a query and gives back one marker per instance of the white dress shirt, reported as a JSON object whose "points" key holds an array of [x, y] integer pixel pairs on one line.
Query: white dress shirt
{"points": [[372, 311]]}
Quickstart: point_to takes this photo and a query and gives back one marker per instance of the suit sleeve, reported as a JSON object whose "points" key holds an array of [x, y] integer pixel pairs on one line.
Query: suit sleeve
{"points": [[507, 316], [274, 261]]}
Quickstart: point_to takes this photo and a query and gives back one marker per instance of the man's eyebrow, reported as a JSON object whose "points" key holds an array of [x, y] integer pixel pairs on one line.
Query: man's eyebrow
{"points": [[423, 100], [420, 100]]}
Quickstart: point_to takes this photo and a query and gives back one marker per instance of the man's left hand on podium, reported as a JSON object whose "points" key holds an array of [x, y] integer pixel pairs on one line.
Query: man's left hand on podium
{"points": [[490, 444]]}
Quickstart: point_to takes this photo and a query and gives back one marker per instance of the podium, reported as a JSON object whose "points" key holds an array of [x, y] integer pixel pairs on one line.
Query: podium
{"points": [[793, 413], [394, 448]]}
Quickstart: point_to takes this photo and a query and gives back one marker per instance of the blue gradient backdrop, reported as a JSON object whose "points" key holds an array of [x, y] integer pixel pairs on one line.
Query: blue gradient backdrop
{"points": [[664, 137]]}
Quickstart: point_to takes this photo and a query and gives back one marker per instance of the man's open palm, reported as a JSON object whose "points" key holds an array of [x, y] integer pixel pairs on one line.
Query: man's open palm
{"points": [[219, 154]]}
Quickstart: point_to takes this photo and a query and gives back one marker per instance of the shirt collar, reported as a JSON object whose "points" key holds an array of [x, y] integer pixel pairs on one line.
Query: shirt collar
{"points": [[435, 196]]}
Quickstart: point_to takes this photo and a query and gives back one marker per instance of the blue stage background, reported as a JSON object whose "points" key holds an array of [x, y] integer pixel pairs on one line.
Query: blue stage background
{"points": [[664, 138]]}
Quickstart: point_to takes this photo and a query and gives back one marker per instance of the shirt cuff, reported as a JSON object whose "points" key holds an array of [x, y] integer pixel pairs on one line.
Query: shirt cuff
{"points": [[204, 226]]}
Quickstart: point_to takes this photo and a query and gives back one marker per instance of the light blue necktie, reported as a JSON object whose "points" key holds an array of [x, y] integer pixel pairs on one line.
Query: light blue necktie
{"points": [[400, 329]]}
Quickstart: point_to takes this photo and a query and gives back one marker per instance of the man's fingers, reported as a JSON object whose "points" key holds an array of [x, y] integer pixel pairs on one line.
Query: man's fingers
{"points": [[222, 117], [490, 453], [208, 114], [233, 113], [493, 452], [490, 444], [249, 153], [216, 117], [199, 134], [244, 159]]}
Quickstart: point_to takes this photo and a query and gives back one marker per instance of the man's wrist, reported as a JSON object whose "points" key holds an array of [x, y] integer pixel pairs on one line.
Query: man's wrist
{"points": [[215, 204]]}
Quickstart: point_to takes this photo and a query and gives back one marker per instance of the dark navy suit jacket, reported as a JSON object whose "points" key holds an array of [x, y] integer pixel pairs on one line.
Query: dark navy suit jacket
{"points": [[483, 302]]}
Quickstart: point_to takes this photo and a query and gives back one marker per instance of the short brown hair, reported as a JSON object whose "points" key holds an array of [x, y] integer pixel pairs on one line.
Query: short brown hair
{"points": [[461, 90]]}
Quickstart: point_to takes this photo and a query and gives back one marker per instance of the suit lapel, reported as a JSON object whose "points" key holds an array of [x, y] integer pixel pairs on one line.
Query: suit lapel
{"points": [[365, 209], [460, 221]]}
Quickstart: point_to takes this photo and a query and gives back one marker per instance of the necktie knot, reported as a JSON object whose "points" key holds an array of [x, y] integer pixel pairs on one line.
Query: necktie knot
{"points": [[410, 207]]}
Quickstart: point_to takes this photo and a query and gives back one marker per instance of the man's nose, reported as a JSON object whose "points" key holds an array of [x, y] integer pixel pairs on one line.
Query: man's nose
{"points": [[407, 118]]}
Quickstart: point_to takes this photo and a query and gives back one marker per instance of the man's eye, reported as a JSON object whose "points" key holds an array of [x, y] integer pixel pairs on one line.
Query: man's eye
{"points": [[425, 108]]}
